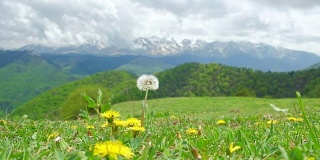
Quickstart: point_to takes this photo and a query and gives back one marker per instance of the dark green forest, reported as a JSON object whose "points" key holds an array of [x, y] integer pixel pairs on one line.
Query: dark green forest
{"points": [[190, 79]]}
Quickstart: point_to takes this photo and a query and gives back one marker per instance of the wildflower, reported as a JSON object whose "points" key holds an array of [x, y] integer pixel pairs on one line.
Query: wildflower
{"points": [[53, 135], [118, 122], [110, 115], [111, 150], [191, 131], [57, 139], [131, 122], [272, 122], [3, 122], [174, 118], [74, 127], [221, 122], [147, 82], [232, 149], [137, 129], [293, 119], [90, 126]]}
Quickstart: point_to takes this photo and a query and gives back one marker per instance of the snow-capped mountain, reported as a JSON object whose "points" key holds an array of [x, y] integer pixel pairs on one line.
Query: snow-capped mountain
{"points": [[241, 54], [91, 47], [163, 47], [156, 46]]}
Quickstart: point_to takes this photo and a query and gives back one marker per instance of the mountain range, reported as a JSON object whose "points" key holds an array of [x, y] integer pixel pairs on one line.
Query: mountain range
{"points": [[257, 56], [33, 69]]}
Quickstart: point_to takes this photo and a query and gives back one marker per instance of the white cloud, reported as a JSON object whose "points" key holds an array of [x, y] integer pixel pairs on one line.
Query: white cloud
{"points": [[290, 23]]}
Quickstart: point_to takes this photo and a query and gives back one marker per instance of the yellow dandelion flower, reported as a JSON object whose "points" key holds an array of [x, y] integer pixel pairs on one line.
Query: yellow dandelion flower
{"points": [[137, 129], [90, 126], [221, 122], [118, 122], [53, 135], [74, 127], [191, 131], [293, 119], [3, 122], [110, 115], [273, 122], [132, 122], [232, 149], [111, 150], [174, 118]]}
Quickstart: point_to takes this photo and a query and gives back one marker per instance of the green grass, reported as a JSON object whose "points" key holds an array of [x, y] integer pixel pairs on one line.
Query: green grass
{"points": [[166, 135], [214, 107]]}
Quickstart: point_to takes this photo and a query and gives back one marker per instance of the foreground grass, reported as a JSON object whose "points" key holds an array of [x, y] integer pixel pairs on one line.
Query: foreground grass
{"points": [[255, 133]]}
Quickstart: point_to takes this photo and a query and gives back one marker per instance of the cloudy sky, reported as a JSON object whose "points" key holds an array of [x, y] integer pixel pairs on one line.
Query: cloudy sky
{"points": [[292, 24]]}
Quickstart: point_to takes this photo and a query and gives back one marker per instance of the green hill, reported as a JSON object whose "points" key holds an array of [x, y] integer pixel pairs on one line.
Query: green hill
{"points": [[64, 101], [314, 66], [24, 76], [145, 65], [187, 80]]}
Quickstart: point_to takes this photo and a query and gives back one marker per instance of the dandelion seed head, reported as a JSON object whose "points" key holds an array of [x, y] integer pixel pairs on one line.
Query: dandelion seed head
{"points": [[57, 139], [147, 82]]}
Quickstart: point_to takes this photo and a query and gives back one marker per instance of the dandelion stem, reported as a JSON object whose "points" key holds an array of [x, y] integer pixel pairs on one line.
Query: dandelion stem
{"points": [[144, 108]]}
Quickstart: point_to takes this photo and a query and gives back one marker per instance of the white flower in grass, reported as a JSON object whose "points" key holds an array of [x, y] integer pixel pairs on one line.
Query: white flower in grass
{"points": [[147, 82]]}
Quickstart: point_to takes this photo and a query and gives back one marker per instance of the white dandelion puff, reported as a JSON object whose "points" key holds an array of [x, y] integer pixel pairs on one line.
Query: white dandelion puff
{"points": [[147, 82], [57, 139], [279, 109]]}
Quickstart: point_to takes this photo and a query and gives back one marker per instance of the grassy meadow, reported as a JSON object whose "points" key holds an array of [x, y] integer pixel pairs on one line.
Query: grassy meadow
{"points": [[175, 128], [215, 107]]}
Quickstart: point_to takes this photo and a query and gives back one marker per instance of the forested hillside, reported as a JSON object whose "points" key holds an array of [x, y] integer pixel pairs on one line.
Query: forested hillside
{"points": [[190, 79], [195, 79], [24, 75]]}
